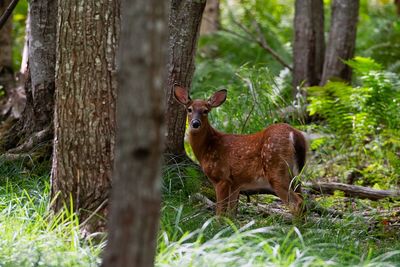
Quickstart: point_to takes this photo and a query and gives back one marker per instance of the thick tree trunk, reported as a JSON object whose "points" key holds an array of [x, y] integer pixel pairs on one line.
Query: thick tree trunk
{"points": [[342, 40], [210, 21], [136, 195], [6, 68], [85, 107], [184, 25], [309, 43]]}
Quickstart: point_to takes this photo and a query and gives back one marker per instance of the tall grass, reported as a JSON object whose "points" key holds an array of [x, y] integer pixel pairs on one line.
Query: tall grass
{"points": [[32, 236], [271, 246]]}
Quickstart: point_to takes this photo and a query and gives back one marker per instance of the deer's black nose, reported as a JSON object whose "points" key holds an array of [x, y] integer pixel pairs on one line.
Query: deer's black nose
{"points": [[196, 124]]}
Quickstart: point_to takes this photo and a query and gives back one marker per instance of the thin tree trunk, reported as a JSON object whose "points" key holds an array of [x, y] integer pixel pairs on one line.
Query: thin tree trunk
{"points": [[6, 68], [42, 59], [85, 107], [210, 21], [309, 43], [136, 196], [397, 3], [40, 75], [342, 40], [184, 25]]}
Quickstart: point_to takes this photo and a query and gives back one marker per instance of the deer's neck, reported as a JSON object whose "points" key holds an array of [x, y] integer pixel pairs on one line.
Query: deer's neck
{"points": [[202, 140]]}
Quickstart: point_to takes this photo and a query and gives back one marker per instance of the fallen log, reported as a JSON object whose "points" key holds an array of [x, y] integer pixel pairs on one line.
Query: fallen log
{"points": [[352, 190]]}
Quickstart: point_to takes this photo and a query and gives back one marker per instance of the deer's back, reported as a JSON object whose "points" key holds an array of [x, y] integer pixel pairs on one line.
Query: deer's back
{"points": [[244, 158]]}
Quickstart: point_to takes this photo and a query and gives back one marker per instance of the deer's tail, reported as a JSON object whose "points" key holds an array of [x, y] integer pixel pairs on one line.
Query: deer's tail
{"points": [[300, 146]]}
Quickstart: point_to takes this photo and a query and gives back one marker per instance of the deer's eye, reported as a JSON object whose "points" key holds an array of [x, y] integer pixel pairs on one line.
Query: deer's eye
{"points": [[205, 112], [189, 110]]}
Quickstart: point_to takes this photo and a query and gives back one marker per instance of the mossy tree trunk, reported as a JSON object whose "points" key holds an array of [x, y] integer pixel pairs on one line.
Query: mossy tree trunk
{"points": [[184, 26], [85, 107], [136, 196]]}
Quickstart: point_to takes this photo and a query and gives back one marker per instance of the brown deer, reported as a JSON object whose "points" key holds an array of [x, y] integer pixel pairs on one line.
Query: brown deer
{"points": [[268, 159]]}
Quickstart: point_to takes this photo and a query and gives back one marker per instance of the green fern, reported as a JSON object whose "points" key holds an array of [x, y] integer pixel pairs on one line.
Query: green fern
{"points": [[365, 118]]}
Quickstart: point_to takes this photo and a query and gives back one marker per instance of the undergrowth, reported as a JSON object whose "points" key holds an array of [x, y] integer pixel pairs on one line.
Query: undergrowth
{"points": [[189, 233], [29, 234]]}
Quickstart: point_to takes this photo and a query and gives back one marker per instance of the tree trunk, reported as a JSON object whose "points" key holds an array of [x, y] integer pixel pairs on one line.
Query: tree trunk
{"points": [[6, 68], [136, 195], [184, 25], [309, 43], [42, 59], [210, 21], [342, 40], [84, 121], [40, 75], [397, 3]]}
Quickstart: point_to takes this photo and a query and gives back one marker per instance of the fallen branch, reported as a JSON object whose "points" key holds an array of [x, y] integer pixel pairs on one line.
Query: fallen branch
{"points": [[353, 190], [203, 199], [7, 13]]}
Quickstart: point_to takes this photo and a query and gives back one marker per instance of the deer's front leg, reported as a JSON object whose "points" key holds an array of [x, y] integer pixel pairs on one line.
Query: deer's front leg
{"points": [[227, 198]]}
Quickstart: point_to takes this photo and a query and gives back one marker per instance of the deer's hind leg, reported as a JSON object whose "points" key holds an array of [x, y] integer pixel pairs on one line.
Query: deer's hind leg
{"points": [[280, 181]]}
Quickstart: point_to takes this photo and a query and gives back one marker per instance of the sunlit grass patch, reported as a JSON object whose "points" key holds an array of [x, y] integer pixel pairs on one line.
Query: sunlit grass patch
{"points": [[29, 234]]}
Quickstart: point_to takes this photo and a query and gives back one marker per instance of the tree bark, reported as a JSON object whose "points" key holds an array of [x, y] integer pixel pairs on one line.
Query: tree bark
{"points": [[397, 3], [85, 107], [136, 195], [342, 40], [309, 43], [210, 21], [6, 68], [42, 59], [184, 25], [40, 75]]}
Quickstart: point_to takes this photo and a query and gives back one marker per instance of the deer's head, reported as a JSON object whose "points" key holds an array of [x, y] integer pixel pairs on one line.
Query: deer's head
{"points": [[198, 109]]}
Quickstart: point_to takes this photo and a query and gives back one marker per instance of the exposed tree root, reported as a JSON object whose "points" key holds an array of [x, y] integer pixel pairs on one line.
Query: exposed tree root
{"points": [[34, 140]]}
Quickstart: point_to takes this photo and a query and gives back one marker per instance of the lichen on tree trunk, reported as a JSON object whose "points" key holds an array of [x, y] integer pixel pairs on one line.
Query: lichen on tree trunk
{"points": [[184, 26], [87, 34]]}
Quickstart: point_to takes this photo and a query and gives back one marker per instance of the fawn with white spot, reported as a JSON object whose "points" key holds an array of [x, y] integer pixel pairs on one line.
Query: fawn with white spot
{"points": [[268, 159]]}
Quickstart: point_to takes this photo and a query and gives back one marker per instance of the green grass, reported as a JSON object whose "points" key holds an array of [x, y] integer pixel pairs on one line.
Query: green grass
{"points": [[189, 234], [29, 234]]}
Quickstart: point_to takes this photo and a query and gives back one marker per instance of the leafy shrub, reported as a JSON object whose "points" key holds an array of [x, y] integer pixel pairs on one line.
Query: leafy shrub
{"points": [[365, 118]]}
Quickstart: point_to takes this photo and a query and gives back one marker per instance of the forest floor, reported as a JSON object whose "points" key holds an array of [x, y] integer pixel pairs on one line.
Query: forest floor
{"points": [[344, 231]]}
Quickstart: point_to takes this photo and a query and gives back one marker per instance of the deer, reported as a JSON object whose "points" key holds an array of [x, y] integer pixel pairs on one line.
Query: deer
{"points": [[266, 160]]}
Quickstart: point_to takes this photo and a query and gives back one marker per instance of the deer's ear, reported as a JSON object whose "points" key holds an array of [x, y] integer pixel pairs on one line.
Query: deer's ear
{"points": [[218, 98], [181, 95]]}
